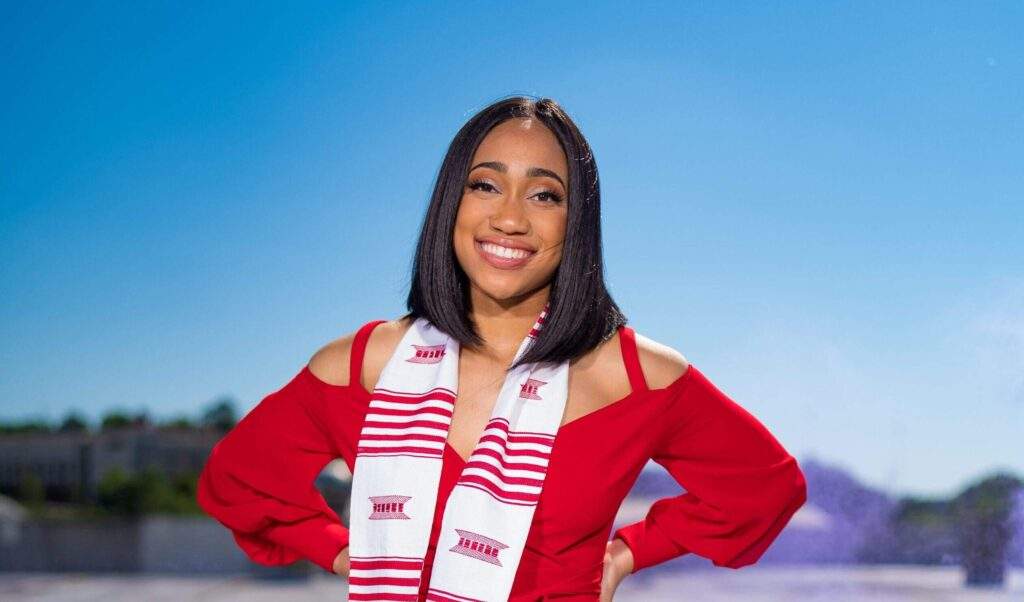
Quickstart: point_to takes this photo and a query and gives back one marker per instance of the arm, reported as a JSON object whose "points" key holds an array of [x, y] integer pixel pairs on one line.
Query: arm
{"points": [[741, 485], [258, 480]]}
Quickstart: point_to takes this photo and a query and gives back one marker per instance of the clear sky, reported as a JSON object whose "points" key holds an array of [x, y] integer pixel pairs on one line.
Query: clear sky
{"points": [[820, 205]]}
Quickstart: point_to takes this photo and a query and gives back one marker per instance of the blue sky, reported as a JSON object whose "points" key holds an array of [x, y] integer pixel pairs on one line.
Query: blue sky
{"points": [[818, 204]]}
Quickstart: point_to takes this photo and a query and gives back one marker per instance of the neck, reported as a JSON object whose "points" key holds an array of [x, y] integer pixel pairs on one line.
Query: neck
{"points": [[504, 323]]}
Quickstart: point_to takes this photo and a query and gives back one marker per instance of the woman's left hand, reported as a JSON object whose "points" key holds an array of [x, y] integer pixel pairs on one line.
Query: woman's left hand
{"points": [[618, 564]]}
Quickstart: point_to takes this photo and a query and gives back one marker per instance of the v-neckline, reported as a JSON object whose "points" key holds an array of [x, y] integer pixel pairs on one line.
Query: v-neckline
{"points": [[361, 390], [357, 385], [561, 429]]}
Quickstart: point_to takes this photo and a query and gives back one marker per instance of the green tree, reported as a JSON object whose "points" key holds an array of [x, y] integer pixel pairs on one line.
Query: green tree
{"points": [[181, 422], [73, 422], [31, 490], [149, 491], [35, 425], [116, 494], [115, 419], [220, 414], [982, 514], [141, 419]]}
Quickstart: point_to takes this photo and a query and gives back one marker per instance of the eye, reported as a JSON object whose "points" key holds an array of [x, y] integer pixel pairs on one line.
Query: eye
{"points": [[480, 185], [551, 196], [547, 196]]}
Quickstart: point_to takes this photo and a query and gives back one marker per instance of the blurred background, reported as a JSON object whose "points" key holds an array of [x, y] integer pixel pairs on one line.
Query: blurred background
{"points": [[818, 204]]}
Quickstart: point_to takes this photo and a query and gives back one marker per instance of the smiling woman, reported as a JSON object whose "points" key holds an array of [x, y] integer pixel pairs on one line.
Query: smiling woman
{"points": [[505, 417], [512, 215]]}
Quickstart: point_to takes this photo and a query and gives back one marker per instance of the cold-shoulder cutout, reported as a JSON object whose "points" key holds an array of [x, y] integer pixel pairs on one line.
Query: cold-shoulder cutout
{"points": [[341, 362], [330, 364], [662, 365]]}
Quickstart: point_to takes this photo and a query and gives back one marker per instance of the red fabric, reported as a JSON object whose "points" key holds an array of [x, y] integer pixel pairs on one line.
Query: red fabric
{"points": [[741, 485]]}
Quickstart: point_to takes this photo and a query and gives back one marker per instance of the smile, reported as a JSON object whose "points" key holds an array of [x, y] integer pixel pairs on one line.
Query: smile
{"points": [[503, 258]]}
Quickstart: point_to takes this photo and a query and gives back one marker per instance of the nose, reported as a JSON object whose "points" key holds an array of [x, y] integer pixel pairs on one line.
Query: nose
{"points": [[510, 216]]}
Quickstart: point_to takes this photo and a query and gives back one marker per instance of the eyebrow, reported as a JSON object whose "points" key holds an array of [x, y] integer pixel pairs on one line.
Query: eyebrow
{"points": [[533, 172]]}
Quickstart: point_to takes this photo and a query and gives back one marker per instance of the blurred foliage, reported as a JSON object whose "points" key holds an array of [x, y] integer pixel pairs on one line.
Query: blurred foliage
{"points": [[982, 515], [923, 532], [149, 491], [25, 426], [31, 492], [975, 528], [117, 419], [221, 414], [73, 422], [181, 423]]}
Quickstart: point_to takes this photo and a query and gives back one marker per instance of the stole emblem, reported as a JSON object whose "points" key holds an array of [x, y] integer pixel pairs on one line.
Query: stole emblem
{"points": [[389, 507], [528, 390], [478, 546], [426, 354]]}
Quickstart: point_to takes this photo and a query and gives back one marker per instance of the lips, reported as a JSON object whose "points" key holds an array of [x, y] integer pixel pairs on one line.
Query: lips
{"points": [[502, 257]]}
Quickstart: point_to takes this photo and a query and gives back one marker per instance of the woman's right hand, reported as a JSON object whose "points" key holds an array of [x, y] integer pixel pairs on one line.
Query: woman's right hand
{"points": [[341, 564]]}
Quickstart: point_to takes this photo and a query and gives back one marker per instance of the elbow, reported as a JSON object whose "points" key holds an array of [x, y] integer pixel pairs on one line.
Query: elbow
{"points": [[773, 514], [794, 488], [783, 494], [204, 492], [799, 493], [208, 496], [787, 493]]}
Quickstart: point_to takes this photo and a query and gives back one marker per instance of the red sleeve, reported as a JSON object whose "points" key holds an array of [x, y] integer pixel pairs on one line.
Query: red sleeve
{"points": [[742, 487], [258, 480]]}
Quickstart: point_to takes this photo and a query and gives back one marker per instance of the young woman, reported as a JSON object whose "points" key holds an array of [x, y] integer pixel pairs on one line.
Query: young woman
{"points": [[495, 429]]}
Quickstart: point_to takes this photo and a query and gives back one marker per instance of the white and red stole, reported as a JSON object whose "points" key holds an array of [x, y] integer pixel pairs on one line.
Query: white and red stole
{"points": [[398, 468]]}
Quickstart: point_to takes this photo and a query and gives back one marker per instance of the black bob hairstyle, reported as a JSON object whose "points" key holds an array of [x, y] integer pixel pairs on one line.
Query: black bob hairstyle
{"points": [[581, 313]]}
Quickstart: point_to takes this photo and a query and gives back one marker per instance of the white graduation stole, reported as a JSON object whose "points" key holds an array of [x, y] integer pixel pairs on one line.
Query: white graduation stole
{"points": [[398, 467]]}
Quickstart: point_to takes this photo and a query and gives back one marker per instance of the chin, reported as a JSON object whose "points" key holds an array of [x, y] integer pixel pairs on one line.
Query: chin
{"points": [[501, 294], [499, 291]]}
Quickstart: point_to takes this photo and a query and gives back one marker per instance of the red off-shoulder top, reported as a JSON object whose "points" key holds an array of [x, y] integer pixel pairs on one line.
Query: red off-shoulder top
{"points": [[741, 485]]}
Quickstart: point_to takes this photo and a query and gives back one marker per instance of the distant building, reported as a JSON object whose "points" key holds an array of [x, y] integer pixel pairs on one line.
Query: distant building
{"points": [[12, 516], [71, 465]]}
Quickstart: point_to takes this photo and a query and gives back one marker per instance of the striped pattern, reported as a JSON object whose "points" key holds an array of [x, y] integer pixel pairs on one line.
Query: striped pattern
{"points": [[409, 414], [442, 596], [384, 578], [400, 423], [508, 465]]}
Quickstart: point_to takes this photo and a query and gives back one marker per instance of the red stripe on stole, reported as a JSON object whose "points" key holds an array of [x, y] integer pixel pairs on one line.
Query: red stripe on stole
{"points": [[512, 495], [530, 439], [418, 437], [497, 496], [407, 581], [491, 468], [514, 452], [486, 451], [438, 394], [410, 449], [412, 412], [440, 594], [402, 565], [502, 424], [440, 598], [405, 424]]}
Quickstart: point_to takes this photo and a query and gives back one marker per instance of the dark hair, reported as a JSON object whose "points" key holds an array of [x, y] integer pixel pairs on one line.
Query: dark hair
{"points": [[581, 313]]}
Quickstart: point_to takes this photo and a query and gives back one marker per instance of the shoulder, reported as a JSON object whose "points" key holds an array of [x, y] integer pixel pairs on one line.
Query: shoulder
{"points": [[330, 363], [662, 365]]}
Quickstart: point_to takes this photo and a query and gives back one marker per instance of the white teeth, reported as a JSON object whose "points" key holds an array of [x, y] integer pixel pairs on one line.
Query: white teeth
{"points": [[504, 252]]}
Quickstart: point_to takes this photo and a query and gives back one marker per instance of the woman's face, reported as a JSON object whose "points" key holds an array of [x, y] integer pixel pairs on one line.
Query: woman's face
{"points": [[510, 226]]}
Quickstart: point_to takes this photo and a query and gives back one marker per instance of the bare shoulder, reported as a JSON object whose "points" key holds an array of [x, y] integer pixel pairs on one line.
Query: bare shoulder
{"points": [[662, 365], [330, 363]]}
